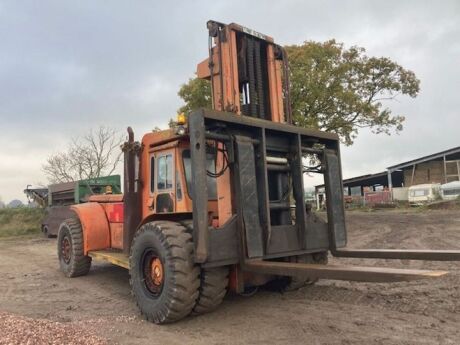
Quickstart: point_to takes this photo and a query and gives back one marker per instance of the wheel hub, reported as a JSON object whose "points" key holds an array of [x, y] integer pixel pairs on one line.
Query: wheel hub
{"points": [[153, 273], [157, 271], [66, 249]]}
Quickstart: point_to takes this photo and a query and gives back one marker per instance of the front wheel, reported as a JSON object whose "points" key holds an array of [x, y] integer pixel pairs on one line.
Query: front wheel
{"points": [[164, 279], [72, 260], [213, 287], [295, 283], [284, 284]]}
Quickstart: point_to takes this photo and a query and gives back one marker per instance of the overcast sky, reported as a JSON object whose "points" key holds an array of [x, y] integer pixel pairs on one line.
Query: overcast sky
{"points": [[68, 66]]}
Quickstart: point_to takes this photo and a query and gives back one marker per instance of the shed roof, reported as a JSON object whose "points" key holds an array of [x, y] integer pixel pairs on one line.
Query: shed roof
{"points": [[361, 178], [425, 158]]}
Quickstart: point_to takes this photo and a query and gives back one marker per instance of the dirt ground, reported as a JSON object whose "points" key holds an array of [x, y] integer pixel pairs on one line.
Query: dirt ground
{"points": [[99, 304]]}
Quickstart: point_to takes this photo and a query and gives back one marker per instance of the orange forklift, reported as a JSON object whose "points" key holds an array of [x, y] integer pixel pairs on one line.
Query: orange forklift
{"points": [[216, 203]]}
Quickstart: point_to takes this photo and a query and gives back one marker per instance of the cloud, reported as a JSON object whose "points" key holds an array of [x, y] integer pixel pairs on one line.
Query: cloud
{"points": [[66, 67]]}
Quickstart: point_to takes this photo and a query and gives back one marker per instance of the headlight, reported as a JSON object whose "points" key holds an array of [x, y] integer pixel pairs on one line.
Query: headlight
{"points": [[180, 130]]}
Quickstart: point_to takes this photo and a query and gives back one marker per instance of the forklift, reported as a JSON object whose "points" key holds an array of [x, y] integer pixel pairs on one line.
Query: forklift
{"points": [[216, 203]]}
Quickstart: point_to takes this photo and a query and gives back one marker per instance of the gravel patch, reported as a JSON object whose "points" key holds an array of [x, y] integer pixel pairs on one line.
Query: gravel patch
{"points": [[16, 329]]}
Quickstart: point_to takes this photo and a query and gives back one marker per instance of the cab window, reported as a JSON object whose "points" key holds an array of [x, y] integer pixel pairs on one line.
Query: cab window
{"points": [[165, 172], [210, 166]]}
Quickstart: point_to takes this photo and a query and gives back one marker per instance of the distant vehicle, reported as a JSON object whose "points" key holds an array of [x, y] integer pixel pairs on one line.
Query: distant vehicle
{"points": [[58, 198], [37, 196], [423, 193], [450, 191]]}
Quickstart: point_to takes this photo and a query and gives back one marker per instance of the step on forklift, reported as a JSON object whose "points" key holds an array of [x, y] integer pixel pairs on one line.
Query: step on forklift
{"points": [[216, 203]]}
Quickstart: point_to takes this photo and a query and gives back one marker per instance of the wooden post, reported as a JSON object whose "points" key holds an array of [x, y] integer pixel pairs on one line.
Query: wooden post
{"points": [[413, 173], [445, 168], [390, 184]]}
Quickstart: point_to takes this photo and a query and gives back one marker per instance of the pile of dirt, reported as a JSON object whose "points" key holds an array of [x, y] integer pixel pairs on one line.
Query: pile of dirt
{"points": [[23, 330]]}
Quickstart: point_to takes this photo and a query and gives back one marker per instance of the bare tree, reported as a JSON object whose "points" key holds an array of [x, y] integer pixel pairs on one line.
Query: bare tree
{"points": [[93, 155]]}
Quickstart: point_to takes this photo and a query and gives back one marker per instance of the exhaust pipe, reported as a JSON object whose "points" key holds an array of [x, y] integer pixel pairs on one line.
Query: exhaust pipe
{"points": [[131, 188]]}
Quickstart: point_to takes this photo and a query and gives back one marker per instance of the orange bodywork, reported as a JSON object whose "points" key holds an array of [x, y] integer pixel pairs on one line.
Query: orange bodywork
{"points": [[174, 145], [114, 214], [96, 228], [102, 222], [171, 145], [275, 86]]}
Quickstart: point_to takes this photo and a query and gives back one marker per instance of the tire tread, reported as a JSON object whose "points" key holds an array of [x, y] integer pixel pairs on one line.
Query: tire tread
{"points": [[179, 248], [80, 263], [213, 288]]}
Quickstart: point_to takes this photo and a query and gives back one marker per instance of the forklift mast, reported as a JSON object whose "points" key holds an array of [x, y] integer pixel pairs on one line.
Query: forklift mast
{"points": [[259, 155], [248, 73]]}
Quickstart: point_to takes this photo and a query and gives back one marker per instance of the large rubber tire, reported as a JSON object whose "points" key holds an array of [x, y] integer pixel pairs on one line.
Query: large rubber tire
{"points": [[295, 283], [172, 245], [46, 231], [72, 261], [213, 283], [213, 288]]}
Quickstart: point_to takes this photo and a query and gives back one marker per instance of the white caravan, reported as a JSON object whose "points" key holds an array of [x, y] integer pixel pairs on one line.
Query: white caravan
{"points": [[450, 191], [423, 193]]}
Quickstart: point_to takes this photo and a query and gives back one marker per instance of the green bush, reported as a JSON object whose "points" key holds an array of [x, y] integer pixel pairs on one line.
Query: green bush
{"points": [[20, 221]]}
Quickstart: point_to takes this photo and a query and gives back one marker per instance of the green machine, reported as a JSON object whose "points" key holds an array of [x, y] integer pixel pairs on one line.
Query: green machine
{"points": [[62, 195], [76, 192]]}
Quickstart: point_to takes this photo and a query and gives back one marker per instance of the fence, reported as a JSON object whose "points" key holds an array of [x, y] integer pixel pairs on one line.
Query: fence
{"points": [[370, 198], [377, 198], [401, 193]]}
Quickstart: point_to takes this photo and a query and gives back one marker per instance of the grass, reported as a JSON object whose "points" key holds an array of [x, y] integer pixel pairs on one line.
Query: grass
{"points": [[20, 221]]}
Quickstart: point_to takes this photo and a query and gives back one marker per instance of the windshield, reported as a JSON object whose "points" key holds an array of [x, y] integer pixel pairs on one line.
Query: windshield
{"points": [[210, 166]]}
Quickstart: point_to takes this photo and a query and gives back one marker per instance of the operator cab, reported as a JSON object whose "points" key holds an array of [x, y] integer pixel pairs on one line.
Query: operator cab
{"points": [[169, 175]]}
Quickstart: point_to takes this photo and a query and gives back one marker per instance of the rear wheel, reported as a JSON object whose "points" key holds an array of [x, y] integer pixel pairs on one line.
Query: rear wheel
{"points": [[72, 260], [46, 231], [297, 282], [213, 283], [213, 287], [163, 276]]}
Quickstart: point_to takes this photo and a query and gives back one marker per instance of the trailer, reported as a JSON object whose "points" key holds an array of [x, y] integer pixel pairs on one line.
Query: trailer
{"points": [[450, 190], [39, 196], [424, 193], [61, 196]]}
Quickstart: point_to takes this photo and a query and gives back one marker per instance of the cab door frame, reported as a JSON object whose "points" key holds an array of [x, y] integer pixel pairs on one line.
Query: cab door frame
{"points": [[164, 204], [152, 182]]}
